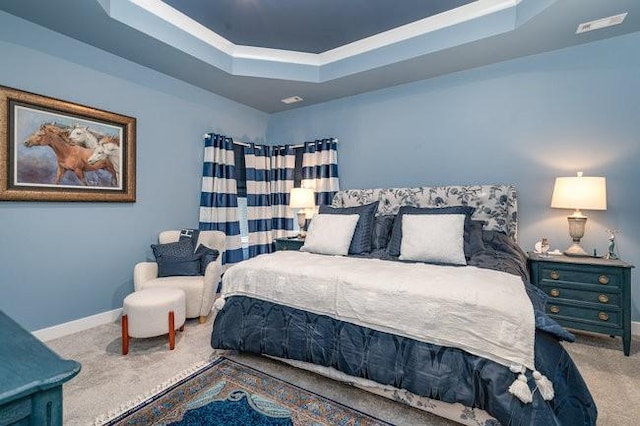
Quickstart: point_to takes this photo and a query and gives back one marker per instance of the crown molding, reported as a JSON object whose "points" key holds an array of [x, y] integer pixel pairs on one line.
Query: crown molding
{"points": [[465, 24]]}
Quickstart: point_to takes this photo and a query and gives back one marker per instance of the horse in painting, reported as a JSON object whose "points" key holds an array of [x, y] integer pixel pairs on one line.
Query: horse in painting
{"points": [[108, 149], [84, 136], [69, 157]]}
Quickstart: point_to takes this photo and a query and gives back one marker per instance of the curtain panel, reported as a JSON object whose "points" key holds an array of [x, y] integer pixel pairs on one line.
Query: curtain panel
{"points": [[269, 175], [258, 170], [219, 196], [320, 169], [283, 163]]}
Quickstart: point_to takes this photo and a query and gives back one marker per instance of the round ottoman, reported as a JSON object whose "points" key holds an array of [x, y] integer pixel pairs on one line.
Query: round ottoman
{"points": [[153, 312]]}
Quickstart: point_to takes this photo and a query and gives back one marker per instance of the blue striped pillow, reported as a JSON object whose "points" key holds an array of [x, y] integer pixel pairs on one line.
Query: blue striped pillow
{"points": [[361, 241]]}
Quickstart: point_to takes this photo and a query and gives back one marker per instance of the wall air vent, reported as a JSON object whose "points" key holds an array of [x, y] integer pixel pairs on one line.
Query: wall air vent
{"points": [[601, 23], [291, 100]]}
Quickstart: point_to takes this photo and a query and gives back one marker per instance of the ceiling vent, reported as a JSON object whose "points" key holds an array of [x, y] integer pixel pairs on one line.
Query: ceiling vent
{"points": [[601, 23], [291, 100]]}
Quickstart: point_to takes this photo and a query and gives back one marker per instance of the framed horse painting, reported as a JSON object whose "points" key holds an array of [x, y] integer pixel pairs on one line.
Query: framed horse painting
{"points": [[54, 150]]}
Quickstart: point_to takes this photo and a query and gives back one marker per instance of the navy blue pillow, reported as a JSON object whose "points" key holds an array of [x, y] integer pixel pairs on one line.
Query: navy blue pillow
{"points": [[176, 259], [182, 248], [474, 244], [381, 232], [207, 255], [393, 248], [361, 241], [169, 266], [190, 235]]}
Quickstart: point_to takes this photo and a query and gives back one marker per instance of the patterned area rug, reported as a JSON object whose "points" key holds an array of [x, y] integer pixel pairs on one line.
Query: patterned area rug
{"points": [[225, 393]]}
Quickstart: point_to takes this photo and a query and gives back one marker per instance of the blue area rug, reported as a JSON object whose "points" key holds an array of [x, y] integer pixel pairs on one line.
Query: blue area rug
{"points": [[226, 393]]}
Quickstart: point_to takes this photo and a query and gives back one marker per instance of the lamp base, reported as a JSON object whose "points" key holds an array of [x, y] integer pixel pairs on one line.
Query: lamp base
{"points": [[302, 221], [576, 251]]}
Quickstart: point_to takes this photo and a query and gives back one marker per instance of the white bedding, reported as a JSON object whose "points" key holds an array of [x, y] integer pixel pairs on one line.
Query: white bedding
{"points": [[484, 312]]}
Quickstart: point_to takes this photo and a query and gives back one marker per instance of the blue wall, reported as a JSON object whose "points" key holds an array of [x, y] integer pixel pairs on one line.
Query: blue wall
{"points": [[524, 121], [64, 261]]}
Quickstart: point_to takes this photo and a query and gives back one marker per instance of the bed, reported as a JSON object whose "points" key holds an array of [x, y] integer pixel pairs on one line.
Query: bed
{"points": [[429, 303]]}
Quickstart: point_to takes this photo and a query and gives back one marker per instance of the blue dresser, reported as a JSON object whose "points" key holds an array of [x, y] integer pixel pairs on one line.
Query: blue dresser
{"points": [[31, 378]]}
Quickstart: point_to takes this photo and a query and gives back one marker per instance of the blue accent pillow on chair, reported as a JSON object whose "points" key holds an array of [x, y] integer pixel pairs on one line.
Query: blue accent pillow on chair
{"points": [[361, 241], [169, 266], [393, 248], [207, 255], [190, 235], [176, 259], [182, 248]]}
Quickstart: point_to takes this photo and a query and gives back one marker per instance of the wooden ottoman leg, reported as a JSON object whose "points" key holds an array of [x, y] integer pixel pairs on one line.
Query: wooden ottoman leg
{"points": [[125, 335], [172, 331], [203, 319]]}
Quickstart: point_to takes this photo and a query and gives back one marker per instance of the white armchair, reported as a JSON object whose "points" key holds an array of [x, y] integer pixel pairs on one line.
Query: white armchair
{"points": [[199, 290]]}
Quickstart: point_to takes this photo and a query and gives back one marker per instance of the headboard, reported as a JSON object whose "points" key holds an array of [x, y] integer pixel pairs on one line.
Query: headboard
{"points": [[496, 205]]}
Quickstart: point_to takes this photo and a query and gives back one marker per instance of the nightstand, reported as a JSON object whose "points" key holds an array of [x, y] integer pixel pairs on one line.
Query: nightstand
{"points": [[586, 293], [289, 243]]}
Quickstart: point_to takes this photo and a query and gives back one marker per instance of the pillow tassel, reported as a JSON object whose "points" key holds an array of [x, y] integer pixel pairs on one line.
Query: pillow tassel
{"points": [[519, 387], [544, 385], [219, 303]]}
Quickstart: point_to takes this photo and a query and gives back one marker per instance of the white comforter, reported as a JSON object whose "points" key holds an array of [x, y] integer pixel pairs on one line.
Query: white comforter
{"points": [[484, 312]]}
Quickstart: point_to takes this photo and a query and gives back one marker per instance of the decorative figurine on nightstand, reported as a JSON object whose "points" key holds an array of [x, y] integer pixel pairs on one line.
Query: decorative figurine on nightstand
{"points": [[612, 244], [542, 247]]}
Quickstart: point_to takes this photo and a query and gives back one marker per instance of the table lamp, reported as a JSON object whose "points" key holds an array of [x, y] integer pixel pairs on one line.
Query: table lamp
{"points": [[579, 192], [302, 199]]}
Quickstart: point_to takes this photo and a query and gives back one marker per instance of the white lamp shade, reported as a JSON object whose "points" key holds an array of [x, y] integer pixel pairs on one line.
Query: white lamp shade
{"points": [[580, 192], [302, 198]]}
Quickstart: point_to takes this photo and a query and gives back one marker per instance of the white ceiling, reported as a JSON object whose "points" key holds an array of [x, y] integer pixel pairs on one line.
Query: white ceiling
{"points": [[153, 34]]}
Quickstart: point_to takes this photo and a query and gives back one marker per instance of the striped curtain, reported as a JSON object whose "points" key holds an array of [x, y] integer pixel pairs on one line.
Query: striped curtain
{"points": [[258, 168], [283, 163], [219, 196], [320, 169]]}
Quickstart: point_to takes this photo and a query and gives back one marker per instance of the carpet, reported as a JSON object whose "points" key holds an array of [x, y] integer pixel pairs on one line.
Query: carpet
{"points": [[225, 393]]}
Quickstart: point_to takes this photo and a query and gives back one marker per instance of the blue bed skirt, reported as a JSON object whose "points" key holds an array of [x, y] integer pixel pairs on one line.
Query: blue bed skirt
{"points": [[447, 374]]}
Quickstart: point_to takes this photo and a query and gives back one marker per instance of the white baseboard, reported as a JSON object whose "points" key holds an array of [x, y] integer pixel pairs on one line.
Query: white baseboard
{"points": [[635, 328], [81, 324]]}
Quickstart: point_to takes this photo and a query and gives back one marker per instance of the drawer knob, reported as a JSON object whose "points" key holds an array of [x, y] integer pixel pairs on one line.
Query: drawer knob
{"points": [[555, 275], [603, 298], [603, 279], [554, 309], [555, 292], [603, 317]]}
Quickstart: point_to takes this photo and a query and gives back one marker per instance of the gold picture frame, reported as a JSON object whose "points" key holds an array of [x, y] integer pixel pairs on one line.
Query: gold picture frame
{"points": [[55, 150]]}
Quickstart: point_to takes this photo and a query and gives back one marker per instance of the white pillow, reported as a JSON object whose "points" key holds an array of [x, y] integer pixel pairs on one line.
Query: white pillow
{"points": [[437, 238], [330, 234]]}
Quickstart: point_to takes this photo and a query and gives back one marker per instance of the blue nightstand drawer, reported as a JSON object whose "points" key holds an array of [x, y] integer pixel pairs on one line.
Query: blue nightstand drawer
{"points": [[16, 413], [563, 291], [565, 310], [596, 276]]}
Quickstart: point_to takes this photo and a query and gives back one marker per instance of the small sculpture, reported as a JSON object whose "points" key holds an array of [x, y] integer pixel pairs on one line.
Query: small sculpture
{"points": [[542, 247], [612, 244]]}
